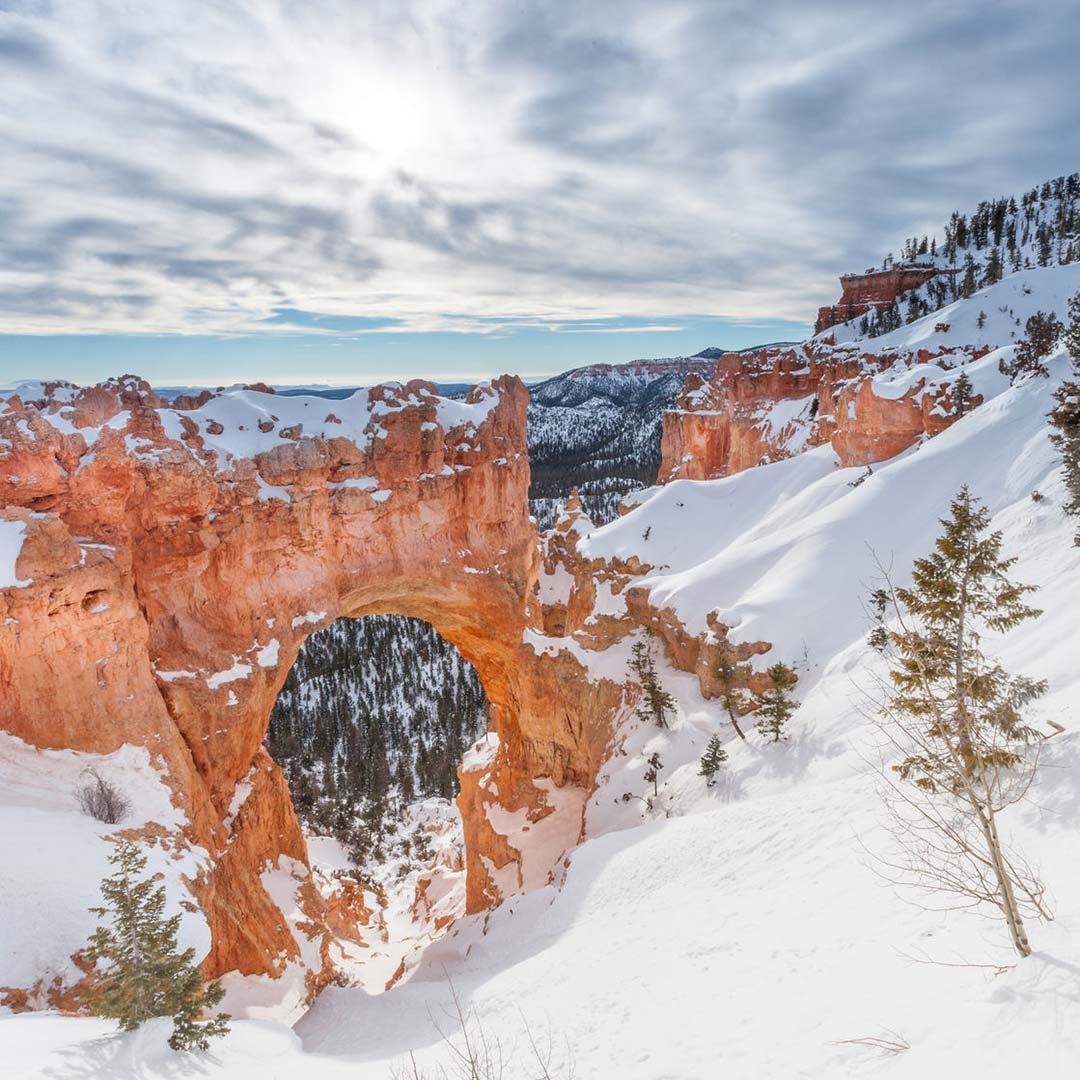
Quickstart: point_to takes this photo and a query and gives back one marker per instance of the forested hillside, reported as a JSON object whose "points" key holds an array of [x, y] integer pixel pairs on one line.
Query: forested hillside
{"points": [[978, 248], [374, 714]]}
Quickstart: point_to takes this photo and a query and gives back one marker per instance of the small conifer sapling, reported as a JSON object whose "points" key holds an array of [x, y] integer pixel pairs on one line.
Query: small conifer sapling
{"points": [[142, 972], [775, 705], [1065, 416], [715, 756]]}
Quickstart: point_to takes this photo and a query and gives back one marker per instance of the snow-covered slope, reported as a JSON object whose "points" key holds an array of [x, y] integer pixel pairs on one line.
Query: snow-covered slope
{"points": [[55, 856], [742, 929]]}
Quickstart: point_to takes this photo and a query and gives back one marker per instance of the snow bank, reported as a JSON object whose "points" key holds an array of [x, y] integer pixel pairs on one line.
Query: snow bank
{"points": [[55, 856]]}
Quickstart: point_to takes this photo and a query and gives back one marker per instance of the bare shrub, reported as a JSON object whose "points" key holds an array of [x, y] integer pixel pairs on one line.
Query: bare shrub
{"points": [[102, 799], [473, 1054]]}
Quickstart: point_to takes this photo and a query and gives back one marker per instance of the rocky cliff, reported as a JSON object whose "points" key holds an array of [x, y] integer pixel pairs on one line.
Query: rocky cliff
{"points": [[171, 561], [861, 293], [770, 405]]}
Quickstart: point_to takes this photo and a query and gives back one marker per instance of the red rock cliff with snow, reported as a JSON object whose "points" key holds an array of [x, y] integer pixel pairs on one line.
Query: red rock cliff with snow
{"points": [[771, 404], [170, 563]]}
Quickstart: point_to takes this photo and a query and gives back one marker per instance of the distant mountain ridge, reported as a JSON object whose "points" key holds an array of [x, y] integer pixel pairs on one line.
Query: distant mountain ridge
{"points": [[597, 428]]}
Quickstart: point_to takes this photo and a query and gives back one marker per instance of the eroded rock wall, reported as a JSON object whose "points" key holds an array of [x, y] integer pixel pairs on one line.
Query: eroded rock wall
{"points": [[173, 560], [780, 401]]}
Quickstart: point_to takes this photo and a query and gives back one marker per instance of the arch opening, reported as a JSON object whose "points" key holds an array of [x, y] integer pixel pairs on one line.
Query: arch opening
{"points": [[369, 728]]}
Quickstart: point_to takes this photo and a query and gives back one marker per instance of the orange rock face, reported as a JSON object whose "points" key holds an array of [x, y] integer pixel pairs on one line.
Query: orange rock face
{"points": [[174, 560], [771, 405], [861, 293]]}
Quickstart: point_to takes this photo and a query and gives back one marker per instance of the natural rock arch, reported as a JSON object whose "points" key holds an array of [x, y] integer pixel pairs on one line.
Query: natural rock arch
{"points": [[172, 562]]}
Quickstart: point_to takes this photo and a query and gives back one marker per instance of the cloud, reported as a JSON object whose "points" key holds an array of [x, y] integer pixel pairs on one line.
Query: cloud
{"points": [[234, 168]]}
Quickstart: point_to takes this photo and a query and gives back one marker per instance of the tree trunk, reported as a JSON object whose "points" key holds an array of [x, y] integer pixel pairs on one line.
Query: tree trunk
{"points": [[735, 723], [1009, 906]]}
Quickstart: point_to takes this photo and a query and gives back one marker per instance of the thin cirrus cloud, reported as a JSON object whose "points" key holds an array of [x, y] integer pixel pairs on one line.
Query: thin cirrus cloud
{"points": [[275, 170]]}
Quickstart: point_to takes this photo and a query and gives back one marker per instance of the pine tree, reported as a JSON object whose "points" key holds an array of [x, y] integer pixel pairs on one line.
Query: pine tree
{"points": [[957, 718], [1065, 416], [732, 698], [1042, 332], [968, 285], [652, 773], [656, 702], [142, 973], [775, 705], [715, 755], [961, 393]]}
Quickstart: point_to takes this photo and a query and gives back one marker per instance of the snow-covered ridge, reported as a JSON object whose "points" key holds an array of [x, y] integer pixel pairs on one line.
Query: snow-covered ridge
{"points": [[244, 423]]}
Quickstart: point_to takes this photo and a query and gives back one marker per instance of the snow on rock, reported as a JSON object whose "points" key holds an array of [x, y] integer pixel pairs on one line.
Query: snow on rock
{"points": [[239, 670], [737, 547], [11, 542], [267, 656], [284, 998], [309, 618]]}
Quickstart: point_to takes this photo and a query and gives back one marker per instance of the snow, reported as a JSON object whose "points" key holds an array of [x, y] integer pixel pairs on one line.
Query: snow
{"points": [[240, 794], [267, 656], [239, 670], [172, 676], [308, 618], [755, 900], [738, 930], [1006, 305], [555, 587], [12, 534], [240, 413], [55, 856], [482, 753], [357, 483], [541, 842], [739, 546]]}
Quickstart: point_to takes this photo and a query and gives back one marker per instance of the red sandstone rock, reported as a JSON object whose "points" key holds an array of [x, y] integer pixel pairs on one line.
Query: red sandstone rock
{"points": [[861, 293], [723, 426], [171, 589]]}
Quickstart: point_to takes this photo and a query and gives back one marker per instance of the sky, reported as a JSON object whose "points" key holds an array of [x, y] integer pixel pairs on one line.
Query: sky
{"points": [[342, 192]]}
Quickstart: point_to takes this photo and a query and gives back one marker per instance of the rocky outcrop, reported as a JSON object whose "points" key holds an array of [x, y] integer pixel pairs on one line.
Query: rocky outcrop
{"points": [[770, 405], [872, 290], [173, 560]]}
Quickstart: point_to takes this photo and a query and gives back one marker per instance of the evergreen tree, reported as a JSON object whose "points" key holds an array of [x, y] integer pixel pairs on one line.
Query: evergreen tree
{"points": [[656, 702], [775, 705], [961, 393], [715, 755], [732, 698], [142, 973], [957, 718], [1065, 416], [652, 773], [968, 285], [1042, 333]]}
